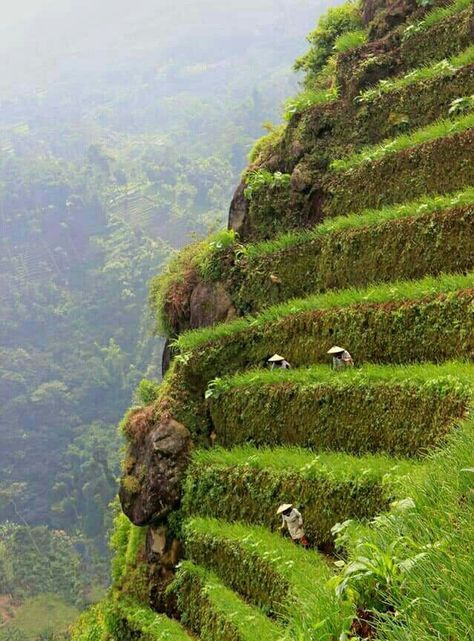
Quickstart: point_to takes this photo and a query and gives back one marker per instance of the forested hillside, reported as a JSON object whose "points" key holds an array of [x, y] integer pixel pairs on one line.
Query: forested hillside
{"points": [[121, 139], [274, 485]]}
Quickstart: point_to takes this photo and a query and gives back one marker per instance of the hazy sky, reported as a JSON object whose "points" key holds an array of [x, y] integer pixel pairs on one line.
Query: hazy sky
{"points": [[40, 38], [15, 11]]}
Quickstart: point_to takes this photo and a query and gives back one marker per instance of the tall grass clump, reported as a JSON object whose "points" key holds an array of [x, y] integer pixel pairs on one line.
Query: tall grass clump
{"points": [[308, 98], [440, 129], [424, 548], [264, 145], [350, 40]]}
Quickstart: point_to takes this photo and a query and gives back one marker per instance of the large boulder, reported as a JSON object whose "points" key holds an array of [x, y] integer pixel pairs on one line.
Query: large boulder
{"points": [[210, 304], [154, 468]]}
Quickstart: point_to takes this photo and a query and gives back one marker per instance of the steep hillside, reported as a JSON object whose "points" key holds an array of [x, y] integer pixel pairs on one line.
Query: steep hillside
{"points": [[353, 225]]}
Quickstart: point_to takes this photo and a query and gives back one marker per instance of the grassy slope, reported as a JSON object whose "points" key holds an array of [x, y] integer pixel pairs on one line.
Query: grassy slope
{"points": [[367, 218], [301, 574], [247, 485], [444, 68], [383, 293], [216, 613], [402, 410], [370, 373], [441, 129]]}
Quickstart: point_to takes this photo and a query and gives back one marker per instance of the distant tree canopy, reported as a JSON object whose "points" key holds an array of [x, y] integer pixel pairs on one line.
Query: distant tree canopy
{"points": [[102, 176]]}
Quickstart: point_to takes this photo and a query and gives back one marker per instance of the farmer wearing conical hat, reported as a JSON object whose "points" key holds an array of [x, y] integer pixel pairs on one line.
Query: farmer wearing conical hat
{"points": [[340, 358], [293, 520], [278, 362]]}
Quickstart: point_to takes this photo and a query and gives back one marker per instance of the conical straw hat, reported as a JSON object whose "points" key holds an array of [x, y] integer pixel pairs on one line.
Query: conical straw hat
{"points": [[275, 358], [336, 350], [284, 507]]}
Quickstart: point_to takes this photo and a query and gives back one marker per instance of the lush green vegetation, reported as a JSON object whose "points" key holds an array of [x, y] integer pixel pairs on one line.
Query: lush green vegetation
{"points": [[170, 291], [323, 40], [215, 613], [261, 179], [45, 616], [37, 560], [308, 98], [247, 484], [415, 169], [421, 549], [373, 409], [422, 74], [90, 625], [285, 579], [378, 294], [350, 40], [268, 272], [121, 161], [125, 619], [437, 15], [440, 129], [361, 452]]}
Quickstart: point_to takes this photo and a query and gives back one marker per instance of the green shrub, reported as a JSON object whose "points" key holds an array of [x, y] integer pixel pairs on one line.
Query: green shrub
{"points": [[284, 579], [439, 166], [262, 178], [90, 626], [264, 145], [147, 392], [215, 613], [337, 21], [247, 484], [350, 40], [374, 409]]}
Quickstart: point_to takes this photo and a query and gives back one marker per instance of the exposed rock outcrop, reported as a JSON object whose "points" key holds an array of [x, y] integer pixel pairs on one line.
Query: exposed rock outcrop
{"points": [[238, 212], [151, 487], [210, 304]]}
